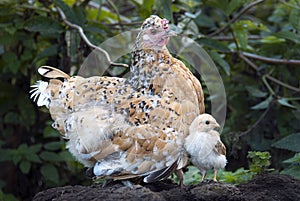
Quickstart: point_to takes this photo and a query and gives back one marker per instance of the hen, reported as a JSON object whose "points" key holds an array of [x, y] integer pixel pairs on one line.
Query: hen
{"points": [[204, 146], [127, 128]]}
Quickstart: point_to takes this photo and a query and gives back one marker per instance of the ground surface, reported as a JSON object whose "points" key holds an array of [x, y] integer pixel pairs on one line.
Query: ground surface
{"points": [[264, 187]]}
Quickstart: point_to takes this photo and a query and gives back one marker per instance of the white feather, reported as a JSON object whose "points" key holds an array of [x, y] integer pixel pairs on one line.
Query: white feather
{"points": [[39, 93]]}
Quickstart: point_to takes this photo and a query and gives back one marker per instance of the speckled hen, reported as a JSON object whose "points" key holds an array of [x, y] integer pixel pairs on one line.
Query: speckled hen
{"points": [[127, 128]]}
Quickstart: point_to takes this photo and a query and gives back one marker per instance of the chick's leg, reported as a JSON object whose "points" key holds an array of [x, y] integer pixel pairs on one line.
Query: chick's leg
{"points": [[215, 175], [203, 172]]}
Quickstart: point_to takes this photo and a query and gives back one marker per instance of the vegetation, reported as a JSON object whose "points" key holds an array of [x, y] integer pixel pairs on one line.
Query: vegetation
{"points": [[255, 45]]}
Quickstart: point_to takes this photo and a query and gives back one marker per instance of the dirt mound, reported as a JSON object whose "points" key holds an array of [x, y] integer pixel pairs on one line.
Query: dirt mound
{"points": [[262, 187]]}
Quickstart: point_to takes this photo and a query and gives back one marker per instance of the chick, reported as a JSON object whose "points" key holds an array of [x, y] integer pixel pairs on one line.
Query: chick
{"points": [[204, 145]]}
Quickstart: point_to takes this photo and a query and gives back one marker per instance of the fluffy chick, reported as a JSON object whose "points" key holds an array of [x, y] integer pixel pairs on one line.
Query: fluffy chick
{"points": [[204, 145]]}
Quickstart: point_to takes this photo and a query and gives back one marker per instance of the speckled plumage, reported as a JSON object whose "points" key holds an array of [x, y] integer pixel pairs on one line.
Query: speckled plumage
{"points": [[127, 128], [204, 145]]}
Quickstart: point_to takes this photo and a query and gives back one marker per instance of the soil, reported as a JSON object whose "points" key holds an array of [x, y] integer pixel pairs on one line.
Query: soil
{"points": [[264, 187]]}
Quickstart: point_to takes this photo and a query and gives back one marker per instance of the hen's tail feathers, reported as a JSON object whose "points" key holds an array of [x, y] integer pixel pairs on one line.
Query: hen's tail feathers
{"points": [[161, 174], [39, 93], [51, 72]]}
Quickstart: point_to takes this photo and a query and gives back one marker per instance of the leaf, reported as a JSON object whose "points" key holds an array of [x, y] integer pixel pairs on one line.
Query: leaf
{"points": [[50, 173], [294, 159], [50, 132], [70, 15], [53, 146], [284, 102], [6, 154], [204, 21], [256, 92], [214, 44], [219, 60], [146, 9], [25, 167], [232, 6], [294, 19], [293, 170], [32, 157], [11, 62], [288, 35], [66, 156], [290, 142], [272, 40], [11, 118], [242, 37], [164, 9], [43, 24], [263, 105], [50, 156], [47, 52]]}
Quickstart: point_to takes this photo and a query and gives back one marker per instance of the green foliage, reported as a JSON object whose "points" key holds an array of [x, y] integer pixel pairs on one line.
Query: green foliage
{"points": [[263, 97], [294, 166], [260, 161], [7, 197], [290, 142], [238, 176]]}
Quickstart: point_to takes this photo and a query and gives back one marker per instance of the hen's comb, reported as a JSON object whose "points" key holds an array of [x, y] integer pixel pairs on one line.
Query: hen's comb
{"points": [[165, 23]]}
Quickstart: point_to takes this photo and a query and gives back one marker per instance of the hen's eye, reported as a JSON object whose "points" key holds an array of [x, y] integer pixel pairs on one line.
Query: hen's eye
{"points": [[206, 122]]}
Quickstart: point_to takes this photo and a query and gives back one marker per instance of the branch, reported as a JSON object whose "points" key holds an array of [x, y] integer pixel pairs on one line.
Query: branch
{"points": [[254, 66], [231, 38], [86, 40], [244, 10], [271, 60]]}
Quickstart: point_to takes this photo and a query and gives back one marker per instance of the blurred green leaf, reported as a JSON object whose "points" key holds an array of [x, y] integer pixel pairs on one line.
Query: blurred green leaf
{"points": [[263, 105], [50, 173], [293, 170], [47, 52], [256, 92], [164, 9], [272, 40], [10, 66], [50, 132], [294, 159], [11, 118], [25, 166], [288, 35], [50, 156], [43, 25], [290, 142], [70, 15], [241, 36], [35, 148], [219, 60], [53, 146], [66, 156], [284, 102], [294, 19], [214, 44]]}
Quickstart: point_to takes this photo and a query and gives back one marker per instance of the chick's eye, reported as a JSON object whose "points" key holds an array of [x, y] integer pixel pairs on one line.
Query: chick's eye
{"points": [[207, 122]]}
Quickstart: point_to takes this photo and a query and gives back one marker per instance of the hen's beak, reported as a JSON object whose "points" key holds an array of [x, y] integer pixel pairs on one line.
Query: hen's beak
{"points": [[170, 33]]}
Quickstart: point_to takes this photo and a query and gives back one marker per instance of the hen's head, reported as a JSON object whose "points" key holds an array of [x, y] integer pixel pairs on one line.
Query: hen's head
{"points": [[154, 33]]}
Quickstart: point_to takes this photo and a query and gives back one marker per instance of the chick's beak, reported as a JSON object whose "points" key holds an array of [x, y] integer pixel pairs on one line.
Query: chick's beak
{"points": [[217, 127]]}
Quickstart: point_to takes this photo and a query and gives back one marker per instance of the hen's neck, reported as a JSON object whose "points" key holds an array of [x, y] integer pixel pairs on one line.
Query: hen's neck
{"points": [[145, 66]]}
